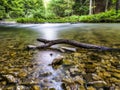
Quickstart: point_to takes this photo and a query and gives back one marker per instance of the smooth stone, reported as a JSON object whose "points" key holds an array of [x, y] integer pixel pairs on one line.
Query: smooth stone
{"points": [[52, 89], [115, 80], [88, 77], [3, 83], [45, 74], [69, 49], [31, 47], [97, 84], [79, 80], [68, 81], [58, 60], [74, 70], [36, 87], [117, 75], [10, 78], [68, 62], [20, 87], [9, 88], [96, 77], [22, 73], [90, 88]]}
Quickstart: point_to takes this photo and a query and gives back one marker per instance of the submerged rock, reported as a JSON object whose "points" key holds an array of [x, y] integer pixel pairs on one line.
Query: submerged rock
{"points": [[79, 80], [58, 60], [31, 47], [22, 73], [20, 87], [35, 87], [45, 74], [11, 87], [10, 79], [96, 77], [91, 88], [98, 84], [117, 75], [69, 49]]}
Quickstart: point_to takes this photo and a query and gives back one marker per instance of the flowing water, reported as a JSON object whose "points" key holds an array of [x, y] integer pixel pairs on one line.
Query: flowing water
{"points": [[31, 67]]}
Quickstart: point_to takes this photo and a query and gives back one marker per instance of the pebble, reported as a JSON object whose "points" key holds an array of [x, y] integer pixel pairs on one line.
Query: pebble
{"points": [[22, 73], [10, 78], [36, 87]]}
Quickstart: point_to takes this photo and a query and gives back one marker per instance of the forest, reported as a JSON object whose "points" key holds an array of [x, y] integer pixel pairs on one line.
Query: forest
{"points": [[39, 11]]}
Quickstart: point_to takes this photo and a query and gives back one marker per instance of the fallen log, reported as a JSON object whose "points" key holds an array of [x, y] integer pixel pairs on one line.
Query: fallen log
{"points": [[49, 43]]}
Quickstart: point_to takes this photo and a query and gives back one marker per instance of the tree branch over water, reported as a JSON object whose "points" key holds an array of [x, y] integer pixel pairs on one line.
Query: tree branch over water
{"points": [[49, 43]]}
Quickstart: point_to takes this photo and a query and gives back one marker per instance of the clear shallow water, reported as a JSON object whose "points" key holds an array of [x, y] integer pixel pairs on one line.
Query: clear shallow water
{"points": [[14, 39]]}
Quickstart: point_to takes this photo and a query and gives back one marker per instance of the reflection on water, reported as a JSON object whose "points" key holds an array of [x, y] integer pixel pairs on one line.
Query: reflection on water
{"points": [[49, 34]]}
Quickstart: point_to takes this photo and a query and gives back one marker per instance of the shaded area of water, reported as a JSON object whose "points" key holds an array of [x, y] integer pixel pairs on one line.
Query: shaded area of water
{"points": [[30, 69]]}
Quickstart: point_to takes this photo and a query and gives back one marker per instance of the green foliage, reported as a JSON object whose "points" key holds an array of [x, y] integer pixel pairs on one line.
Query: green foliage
{"points": [[81, 7], [39, 11], [71, 19], [2, 14], [62, 8], [109, 16]]}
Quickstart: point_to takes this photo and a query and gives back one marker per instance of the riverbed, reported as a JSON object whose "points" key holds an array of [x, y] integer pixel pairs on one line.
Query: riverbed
{"points": [[23, 69]]}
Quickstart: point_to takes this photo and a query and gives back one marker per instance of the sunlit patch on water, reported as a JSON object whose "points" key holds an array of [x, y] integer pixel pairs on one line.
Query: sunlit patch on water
{"points": [[49, 34]]}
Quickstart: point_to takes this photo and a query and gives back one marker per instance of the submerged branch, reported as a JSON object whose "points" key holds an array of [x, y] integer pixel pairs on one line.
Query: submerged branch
{"points": [[49, 43]]}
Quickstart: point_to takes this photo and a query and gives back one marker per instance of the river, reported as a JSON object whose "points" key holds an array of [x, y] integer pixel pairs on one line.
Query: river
{"points": [[27, 69]]}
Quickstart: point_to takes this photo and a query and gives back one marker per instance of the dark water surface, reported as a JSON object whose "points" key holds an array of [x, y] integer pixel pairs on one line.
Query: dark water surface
{"points": [[30, 69]]}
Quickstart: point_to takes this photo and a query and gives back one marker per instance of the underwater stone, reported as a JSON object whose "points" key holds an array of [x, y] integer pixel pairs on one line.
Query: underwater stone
{"points": [[52, 89], [97, 84], [10, 78], [45, 74], [114, 80], [79, 80], [20, 87], [31, 47], [95, 77], [22, 73], [68, 62], [117, 75], [68, 81], [90, 88], [69, 49], [12, 87], [36, 87], [58, 60]]}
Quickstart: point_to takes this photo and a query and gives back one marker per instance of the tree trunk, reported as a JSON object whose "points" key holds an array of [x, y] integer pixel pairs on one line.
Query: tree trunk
{"points": [[99, 6], [106, 6], [49, 43], [117, 6], [90, 8]]}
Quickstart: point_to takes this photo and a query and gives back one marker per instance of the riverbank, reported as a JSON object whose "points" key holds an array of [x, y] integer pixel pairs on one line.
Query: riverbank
{"points": [[105, 17], [7, 22]]}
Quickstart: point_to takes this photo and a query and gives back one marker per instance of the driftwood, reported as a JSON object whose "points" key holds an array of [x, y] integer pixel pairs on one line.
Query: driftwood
{"points": [[49, 43]]}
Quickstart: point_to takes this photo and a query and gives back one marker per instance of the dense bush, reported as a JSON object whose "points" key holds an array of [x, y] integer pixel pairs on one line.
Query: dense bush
{"points": [[71, 19], [109, 16]]}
